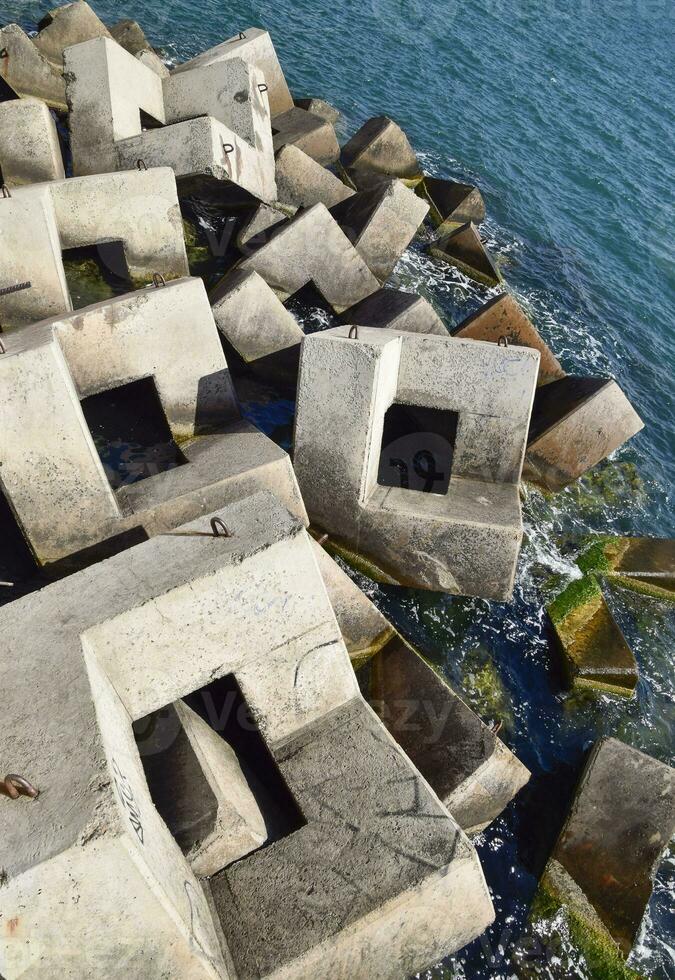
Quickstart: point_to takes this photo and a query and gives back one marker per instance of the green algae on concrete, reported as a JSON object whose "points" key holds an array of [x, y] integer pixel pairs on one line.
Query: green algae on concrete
{"points": [[86, 282], [484, 689]]}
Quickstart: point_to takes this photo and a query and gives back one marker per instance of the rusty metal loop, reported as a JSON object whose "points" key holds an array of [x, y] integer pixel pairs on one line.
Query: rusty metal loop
{"points": [[353, 333], [220, 528], [496, 729], [141, 164], [3, 350], [262, 87], [158, 280], [6, 193], [242, 36], [15, 786], [503, 341], [228, 148]]}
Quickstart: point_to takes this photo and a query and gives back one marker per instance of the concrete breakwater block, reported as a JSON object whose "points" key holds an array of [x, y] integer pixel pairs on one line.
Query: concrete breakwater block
{"points": [[600, 875], [382, 146], [464, 249], [313, 248], [310, 133], [254, 232], [133, 218], [64, 26], [255, 47], [27, 72], [644, 565], [319, 107], [53, 477], [383, 415], [302, 182], [29, 144], [502, 316], [131, 36], [452, 203], [396, 310], [376, 878], [154, 63], [576, 423], [381, 223]]}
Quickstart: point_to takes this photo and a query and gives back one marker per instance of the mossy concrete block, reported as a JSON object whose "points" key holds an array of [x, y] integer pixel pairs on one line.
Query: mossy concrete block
{"points": [[502, 316], [452, 203], [27, 72], [602, 868], [576, 423], [381, 223], [310, 133], [131, 36], [396, 310], [319, 107], [302, 182], [470, 769], [30, 152], [382, 146], [255, 47], [313, 248], [644, 565], [70, 24], [464, 249]]}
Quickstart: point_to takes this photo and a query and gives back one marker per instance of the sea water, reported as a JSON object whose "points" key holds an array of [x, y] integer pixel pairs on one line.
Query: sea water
{"points": [[563, 114]]}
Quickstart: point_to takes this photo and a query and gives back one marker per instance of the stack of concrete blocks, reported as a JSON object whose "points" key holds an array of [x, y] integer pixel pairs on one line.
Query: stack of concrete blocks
{"points": [[375, 880], [51, 470], [200, 122], [475, 402], [576, 421], [470, 769], [38, 222], [30, 152]]}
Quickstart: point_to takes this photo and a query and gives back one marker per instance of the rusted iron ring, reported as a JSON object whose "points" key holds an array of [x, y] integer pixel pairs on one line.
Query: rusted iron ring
{"points": [[141, 164], [220, 528], [158, 280], [503, 341], [5, 191], [15, 786], [353, 333]]}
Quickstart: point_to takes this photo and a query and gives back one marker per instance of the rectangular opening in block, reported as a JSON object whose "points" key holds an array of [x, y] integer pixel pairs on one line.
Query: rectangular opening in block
{"points": [[149, 122], [96, 273], [211, 776], [418, 445], [131, 433]]}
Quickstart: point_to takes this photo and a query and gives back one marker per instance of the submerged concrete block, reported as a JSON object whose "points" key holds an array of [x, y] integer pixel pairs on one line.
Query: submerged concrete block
{"points": [[396, 310], [29, 144], [70, 24], [381, 223], [383, 415], [302, 182], [251, 318], [464, 249], [27, 71], [116, 637], [319, 107], [131, 36], [452, 203], [645, 565], [313, 248], [382, 146], [311, 134], [502, 316], [599, 877], [254, 46], [576, 423]]}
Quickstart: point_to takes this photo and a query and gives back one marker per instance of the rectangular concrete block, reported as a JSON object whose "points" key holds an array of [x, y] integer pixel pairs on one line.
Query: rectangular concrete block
{"points": [[302, 182], [396, 310], [27, 72], [311, 134], [29, 144], [381, 146], [67, 25]]}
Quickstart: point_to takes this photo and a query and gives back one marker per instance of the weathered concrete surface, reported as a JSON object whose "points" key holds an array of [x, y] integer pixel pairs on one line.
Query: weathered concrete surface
{"points": [[64, 26], [131, 36], [470, 769], [30, 252], [154, 63], [251, 318], [452, 203], [27, 72], [463, 248], [396, 310], [381, 223], [600, 875], [319, 107], [464, 539], [255, 232], [198, 786], [382, 146], [292, 258], [29, 144], [576, 423], [387, 885], [116, 639], [255, 48], [645, 565], [311, 134], [302, 182], [502, 316]]}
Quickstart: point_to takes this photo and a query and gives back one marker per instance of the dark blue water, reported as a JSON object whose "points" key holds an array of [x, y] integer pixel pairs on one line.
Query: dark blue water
{"points": [[563, 114]]}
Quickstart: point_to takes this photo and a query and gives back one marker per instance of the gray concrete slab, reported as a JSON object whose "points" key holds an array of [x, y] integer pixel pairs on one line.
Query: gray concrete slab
{"points": [[382, 146], [28, 72], [64, 26], [302, 182], [29, 144]]}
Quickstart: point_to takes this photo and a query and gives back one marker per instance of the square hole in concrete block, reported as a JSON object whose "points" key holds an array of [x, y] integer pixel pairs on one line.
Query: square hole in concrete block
{"points": [[178, 785], [131, 433], [96, 273], [418, 445]]}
